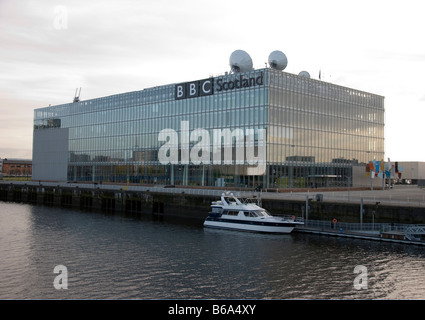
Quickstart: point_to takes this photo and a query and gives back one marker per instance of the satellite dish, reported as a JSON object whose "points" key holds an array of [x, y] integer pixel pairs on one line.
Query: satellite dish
{"points": [[278, 60], [240, 61], [304, 74]]}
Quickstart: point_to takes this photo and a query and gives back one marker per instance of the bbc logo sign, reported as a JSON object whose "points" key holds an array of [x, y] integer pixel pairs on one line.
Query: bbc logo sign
{"points": [[194, 89]]}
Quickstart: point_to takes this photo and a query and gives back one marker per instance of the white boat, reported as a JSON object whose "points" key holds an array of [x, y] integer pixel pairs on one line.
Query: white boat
{"points": [[232, 213]]}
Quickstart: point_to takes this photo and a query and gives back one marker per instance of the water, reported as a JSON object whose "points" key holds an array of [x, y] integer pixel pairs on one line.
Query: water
{"points": [[112, 256]]}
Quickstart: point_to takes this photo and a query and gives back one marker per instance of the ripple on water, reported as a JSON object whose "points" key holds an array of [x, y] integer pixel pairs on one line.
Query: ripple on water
{"points": [[115, 257]]}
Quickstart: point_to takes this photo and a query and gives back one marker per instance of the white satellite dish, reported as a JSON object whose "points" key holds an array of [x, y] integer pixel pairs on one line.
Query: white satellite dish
{"points": [[304, 74], [240, 61], [278, 60]]}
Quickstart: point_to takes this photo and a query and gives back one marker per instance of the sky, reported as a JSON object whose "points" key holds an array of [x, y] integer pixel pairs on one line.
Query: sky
{"points": [[49, 48]]}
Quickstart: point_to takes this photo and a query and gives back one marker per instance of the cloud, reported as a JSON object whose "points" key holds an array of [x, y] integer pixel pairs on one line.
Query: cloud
{"points": [[110, 47], [16, 129]]}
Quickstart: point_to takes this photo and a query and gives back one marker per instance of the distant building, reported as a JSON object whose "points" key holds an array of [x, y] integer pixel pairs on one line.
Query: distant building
{"points": [[413, 172], [16, 167]]}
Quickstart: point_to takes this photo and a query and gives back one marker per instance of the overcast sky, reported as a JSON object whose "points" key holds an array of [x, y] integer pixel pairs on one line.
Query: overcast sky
{"points": [[49, 48]]}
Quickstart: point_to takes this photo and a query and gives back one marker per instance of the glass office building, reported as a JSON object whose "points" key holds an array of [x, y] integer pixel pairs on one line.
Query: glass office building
{"points": [[300, 131]]}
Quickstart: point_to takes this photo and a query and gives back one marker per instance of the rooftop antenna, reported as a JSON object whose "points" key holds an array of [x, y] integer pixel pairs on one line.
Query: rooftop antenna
{"points": [[278, 60], [77, 98], [240, 61]]}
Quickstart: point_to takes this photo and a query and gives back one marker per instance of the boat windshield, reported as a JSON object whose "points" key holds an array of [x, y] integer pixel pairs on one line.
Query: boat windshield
{"points": [[262, 213], [256, 213], [216, 210]]}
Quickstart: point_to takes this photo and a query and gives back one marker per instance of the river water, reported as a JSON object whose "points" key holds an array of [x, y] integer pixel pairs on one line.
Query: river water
{"points": [[114, 256]]}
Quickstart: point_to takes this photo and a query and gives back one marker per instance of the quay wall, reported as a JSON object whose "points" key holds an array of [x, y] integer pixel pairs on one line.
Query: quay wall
{"points": [[348, 211], [186, 205]]}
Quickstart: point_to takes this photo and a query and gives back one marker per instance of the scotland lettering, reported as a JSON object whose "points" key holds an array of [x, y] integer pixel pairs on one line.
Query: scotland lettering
{"points": [[222, 147], [208, 86], [239, 83]]}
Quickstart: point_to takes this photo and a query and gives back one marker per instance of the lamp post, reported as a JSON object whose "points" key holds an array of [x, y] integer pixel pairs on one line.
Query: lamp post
{"points": [[373, 214]]}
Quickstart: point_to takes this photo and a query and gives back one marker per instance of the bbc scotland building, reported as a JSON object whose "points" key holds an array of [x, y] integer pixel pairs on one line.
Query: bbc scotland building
{"points": [[244, 128]]}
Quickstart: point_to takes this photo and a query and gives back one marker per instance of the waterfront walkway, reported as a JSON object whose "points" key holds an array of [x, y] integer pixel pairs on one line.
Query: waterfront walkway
{"points": [[407, 196], [399, 195]]}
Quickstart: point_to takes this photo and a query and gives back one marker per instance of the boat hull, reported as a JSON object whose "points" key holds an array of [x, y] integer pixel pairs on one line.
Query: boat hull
{"points": [[264, 227]]}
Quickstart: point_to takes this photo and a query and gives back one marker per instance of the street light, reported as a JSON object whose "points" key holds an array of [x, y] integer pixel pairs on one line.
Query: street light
{"points": [[373, 214]]}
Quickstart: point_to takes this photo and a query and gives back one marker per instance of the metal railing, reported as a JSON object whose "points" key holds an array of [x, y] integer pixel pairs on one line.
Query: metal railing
{"points": [[373, 228], [406, 200]]}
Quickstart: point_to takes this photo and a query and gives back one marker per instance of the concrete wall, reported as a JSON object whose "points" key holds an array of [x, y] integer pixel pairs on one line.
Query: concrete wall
{"points": [[50, 154], [182, 205], [361, 180], [413, 170]]}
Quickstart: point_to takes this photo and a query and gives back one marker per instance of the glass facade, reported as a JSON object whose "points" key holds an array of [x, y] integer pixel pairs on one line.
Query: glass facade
{"points": [[315, 131], [318, 131]]}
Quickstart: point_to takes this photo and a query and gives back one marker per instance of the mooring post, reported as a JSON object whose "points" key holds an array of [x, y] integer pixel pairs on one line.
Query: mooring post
{"points": [[306, 209]]}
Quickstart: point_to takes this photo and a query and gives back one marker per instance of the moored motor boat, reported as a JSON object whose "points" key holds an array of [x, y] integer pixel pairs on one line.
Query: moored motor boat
{"points": [[231, 213]]}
